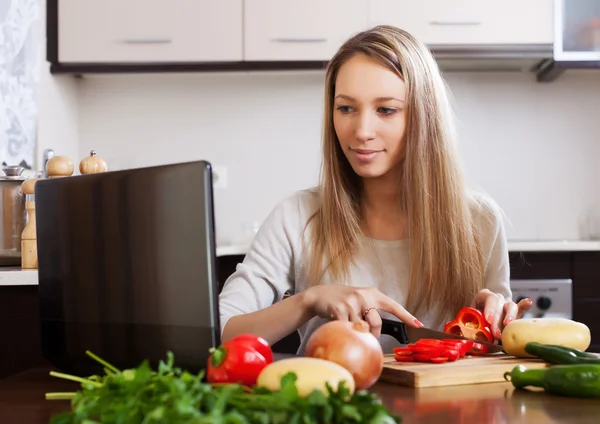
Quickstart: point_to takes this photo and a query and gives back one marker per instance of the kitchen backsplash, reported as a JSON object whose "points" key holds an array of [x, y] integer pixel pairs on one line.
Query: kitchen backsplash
{"points": [[533, 147]]}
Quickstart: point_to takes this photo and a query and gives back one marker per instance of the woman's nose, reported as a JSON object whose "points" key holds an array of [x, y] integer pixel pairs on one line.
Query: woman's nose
{"points": [[365, 127]]}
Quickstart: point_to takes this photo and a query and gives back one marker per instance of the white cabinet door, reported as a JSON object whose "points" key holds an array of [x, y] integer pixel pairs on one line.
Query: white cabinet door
{"points": [[469, 21], [283, 30], [133, 31]]}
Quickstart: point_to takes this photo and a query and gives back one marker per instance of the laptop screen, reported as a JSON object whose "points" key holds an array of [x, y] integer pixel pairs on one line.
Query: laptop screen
{"points": [[127, 267]]}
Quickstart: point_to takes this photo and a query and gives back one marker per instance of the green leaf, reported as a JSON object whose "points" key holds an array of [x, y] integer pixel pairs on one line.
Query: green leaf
{"points": [[171, 395]]}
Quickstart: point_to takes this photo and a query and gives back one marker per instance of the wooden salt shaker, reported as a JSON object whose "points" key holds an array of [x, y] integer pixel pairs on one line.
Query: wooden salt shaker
{"points": [[59, 166], [29, 259], [92, 164]]}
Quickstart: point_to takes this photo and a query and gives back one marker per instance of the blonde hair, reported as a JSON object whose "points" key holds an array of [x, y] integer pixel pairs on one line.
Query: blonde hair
{"points": [[446, 262]]}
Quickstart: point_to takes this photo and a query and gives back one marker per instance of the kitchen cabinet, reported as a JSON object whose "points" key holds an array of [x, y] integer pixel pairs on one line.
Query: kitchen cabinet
{"points": [[291, 30], [468, 22], [87, 36], [149, 31]]}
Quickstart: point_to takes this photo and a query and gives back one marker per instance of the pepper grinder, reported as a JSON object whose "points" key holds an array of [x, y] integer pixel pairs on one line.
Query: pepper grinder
{"points": [[29, 259], [92, 164], [59, 166]]}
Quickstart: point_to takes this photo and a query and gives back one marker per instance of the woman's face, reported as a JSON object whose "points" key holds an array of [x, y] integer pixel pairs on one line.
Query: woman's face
{"points": [[369, 116]]}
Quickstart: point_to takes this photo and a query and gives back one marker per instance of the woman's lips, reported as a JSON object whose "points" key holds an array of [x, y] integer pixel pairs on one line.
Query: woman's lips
{"points": [[364, 155]]}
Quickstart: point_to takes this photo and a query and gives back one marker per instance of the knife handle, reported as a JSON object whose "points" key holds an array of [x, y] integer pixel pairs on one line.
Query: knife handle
{"points": [[395, 329]]}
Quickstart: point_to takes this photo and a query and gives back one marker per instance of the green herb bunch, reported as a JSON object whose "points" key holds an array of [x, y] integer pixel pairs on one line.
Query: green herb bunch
{"points": [[174, 396]]}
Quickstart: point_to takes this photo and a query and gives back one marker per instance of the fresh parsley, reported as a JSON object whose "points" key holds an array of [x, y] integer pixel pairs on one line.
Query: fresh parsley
{"points": [[172, 395]]}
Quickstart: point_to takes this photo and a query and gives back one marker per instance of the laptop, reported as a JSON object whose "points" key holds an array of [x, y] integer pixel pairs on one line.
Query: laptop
{"points": [[127, 267]]}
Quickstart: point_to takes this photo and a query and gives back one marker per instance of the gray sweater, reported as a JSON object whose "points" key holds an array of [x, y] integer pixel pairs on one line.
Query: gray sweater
{"points": [[275, 264]]}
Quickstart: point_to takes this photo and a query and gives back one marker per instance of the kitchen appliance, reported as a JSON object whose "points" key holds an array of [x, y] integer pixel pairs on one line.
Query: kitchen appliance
{"points": [[405, 334], [467, 370], [552, 298], [127, 268], [14, 216]]}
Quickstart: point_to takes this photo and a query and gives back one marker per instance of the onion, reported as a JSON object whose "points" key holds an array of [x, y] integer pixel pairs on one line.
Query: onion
{"points": [[351, 345]]}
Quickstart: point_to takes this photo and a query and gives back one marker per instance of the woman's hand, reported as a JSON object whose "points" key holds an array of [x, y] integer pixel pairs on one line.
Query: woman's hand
{"points": [[499, 311], [335, 301]]}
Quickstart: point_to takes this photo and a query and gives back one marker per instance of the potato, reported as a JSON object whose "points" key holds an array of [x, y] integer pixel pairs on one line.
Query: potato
{"points": [[554, 331], [312, 374]]}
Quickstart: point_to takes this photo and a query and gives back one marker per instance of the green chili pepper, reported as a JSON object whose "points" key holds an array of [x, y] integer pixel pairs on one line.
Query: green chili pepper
{"points": [[561, 355], [579, 380]]}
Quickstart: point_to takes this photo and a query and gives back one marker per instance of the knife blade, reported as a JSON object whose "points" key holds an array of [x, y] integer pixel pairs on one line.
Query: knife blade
{"points": [[405, 334]]}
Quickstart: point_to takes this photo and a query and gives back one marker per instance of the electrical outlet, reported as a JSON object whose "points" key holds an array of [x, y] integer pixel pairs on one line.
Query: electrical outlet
{"points": [[219, 174]]}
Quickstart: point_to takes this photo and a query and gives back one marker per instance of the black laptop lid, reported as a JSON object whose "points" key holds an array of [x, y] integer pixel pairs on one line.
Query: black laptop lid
{"points": [[127, 267]]}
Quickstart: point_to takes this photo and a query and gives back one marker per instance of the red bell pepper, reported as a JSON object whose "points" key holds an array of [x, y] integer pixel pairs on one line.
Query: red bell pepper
{"points": [[240, 360], [470, 323]]}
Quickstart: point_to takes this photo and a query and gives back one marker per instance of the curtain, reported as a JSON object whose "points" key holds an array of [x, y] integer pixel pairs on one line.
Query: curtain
{"points": [[21, 53]]}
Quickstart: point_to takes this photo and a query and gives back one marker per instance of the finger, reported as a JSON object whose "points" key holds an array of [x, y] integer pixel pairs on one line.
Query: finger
{"points": [[480, 299], [374, 320], [339, 312], [389, 305], [494, 307], [355, 313], [523, 306], [510, 312]]}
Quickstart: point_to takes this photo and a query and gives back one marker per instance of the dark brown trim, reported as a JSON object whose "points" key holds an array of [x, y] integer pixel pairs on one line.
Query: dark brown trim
{"points": [[52, 31], [114, 68], [549, 70]]}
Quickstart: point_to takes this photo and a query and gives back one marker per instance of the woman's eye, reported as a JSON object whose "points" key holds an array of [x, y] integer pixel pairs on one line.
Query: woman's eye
{"points": [[344, 109], [387, 110]]}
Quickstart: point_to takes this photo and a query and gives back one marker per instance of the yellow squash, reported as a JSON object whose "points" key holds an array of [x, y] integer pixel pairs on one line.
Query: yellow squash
{"points": [[554, 331], [312, 373]]}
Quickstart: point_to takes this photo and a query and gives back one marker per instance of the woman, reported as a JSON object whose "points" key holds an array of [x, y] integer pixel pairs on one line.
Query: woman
{"points": [[391, 230]]}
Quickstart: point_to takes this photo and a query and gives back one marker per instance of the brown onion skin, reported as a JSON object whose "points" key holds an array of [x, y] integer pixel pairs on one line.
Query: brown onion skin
{"points": [[351, 345]]}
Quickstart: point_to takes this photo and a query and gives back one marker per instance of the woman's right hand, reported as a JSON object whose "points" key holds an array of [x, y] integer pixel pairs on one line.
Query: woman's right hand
{"points": [[336, 301]]}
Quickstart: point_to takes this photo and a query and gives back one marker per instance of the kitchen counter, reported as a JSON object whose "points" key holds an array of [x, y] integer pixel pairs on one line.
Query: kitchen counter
{"points": [[513, 246], [16, 276], [22, 401]]}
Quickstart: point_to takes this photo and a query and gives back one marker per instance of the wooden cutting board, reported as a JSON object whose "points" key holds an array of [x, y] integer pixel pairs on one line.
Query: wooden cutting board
{"points": [[467, 370]]}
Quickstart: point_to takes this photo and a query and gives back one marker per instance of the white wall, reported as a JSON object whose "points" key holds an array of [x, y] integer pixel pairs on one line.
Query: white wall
{"points": [[533, 146]]}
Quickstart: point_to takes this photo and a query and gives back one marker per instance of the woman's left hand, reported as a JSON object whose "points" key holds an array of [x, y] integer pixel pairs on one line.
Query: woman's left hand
{"points": [[499, 311]]}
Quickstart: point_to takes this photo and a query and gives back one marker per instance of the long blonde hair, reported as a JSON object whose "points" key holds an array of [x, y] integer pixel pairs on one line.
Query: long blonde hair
{"points": [[446, 262]]}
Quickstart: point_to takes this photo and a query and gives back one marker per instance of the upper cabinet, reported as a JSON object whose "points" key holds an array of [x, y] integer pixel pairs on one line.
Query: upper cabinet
{"points": [[468, 22], [155, 31], [200, 35], [291, 30]]}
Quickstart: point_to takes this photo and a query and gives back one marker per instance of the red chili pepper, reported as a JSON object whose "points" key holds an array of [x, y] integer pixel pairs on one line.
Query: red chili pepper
{"points": [[240, 360], [470, 323]]}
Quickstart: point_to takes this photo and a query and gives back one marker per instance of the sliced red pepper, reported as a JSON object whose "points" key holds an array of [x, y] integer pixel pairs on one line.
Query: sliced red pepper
{"points": [[430, 350], [240, 360], [403, 351], [404, 358], [462, 345], [470, 323], [478, 349]]}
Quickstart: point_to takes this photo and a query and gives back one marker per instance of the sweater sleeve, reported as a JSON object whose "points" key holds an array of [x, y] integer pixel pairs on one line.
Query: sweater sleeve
{"points": [[497, 272], [267, 271]]}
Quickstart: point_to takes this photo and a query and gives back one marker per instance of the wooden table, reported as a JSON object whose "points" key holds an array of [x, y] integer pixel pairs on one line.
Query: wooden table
{"points": [[22, 402]]}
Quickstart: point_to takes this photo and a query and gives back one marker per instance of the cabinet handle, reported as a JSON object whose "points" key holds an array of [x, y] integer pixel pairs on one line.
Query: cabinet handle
{"points": [[299, 39], [455, 23], [147, 40]]}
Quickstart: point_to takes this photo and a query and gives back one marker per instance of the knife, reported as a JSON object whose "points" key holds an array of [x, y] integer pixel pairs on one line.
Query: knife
{"points": [[406, 335]]}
